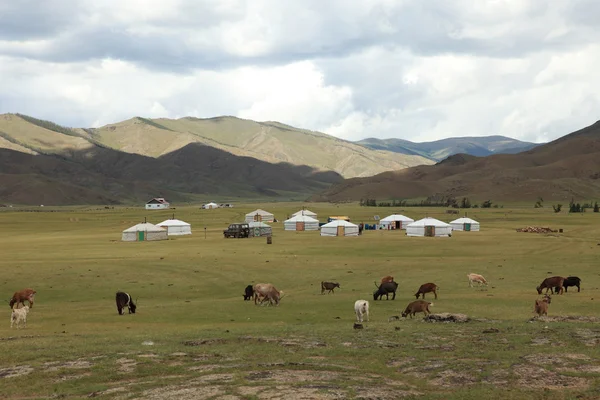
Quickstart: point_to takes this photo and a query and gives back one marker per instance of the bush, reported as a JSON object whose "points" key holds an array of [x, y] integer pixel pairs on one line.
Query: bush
{"points": [[557, 207]]}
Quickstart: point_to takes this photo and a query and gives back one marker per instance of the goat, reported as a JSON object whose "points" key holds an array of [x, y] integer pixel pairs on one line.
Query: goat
{"points": [[266, 291], [479, 279], [385, 289], [124, 300], [387, 279], [19, 315], [417, 306], [361, 308], [427, 288], [248, 292], [541, 306], [570, 281], [22, 295], [329, 286], [549, 283]]}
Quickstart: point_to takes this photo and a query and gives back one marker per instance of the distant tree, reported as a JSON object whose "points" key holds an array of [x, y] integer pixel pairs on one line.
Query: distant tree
{"points": [[539, 203], [465, 203], [486, 204], [557, 207], [596, 208]]}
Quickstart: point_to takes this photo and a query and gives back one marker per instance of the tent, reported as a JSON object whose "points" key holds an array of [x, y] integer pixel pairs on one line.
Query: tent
{"points": [[339, 227], [260, 229], [301, 223], [395, 221], [145, 231], [209, 206], [259, 215], [176, 227], [306, 213], [429, 227], [465, 224]]}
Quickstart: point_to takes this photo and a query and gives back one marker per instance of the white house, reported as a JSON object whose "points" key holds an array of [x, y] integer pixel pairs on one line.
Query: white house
{"points": [[301, 223], [465, 224], [339, 227], [429, 227], [176, 227], [209, 206], [144, 231], [259, 216], [308, 213], [395, 221], [157, 203]]}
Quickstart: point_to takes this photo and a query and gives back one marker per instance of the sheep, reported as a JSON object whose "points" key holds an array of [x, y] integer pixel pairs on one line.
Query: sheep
{"points": [[541, 306], [361, 308], [549, 283], [479, 279], [417, 306], [22, 295], [427, 288], [19, 315]]}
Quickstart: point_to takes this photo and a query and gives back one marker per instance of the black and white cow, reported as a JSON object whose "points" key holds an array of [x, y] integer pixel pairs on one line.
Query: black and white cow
{"points": [[124, 300]]}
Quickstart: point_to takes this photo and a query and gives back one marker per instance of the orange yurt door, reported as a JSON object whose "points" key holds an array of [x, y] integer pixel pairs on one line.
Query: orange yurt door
{"points": [[340, 231], [299, 226]]}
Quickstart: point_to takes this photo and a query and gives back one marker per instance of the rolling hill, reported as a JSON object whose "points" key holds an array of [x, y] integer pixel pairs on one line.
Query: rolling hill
{"points": [[560, 170], [441, 149]]}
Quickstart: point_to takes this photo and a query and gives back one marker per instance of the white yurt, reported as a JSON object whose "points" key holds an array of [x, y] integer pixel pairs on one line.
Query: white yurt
{"points": [[308, 213], [260, 229], [259, 216], [465, 224], [429, 227], [339, 227], [395, 221], [210, 206], [176, 227], [144, 231], [301, 223]]}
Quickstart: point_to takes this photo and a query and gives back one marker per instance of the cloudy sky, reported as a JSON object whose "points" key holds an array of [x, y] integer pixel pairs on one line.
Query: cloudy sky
{"points": [[411, 69]]}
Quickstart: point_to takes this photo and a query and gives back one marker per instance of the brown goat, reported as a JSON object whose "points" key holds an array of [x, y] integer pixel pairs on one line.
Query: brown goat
{"points": [[22, 295], [387, 279], [541, 306], [549, 283], [427, 288], [417, 306]]}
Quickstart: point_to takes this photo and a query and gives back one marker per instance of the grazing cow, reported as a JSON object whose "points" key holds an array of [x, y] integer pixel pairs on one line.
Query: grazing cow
{"points": [[387, 279], [267, 292], [417, 306], [361, 308], [248, 292], [479, 279], [541, 306], [570, 281], [385, 289], [22, 295], [329, 286], [427, 288], [549, 283], [124, 300], [19, 315]]}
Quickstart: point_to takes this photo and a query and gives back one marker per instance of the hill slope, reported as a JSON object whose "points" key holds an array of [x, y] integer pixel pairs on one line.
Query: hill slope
{"points": [[565, 168], [441, 149]]}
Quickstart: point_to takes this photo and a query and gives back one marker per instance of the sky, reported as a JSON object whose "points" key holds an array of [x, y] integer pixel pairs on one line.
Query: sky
{"points": [[410, 69]]}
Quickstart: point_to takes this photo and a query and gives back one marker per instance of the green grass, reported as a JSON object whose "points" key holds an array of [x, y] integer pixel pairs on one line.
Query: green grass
{"points": [[208, 341]]}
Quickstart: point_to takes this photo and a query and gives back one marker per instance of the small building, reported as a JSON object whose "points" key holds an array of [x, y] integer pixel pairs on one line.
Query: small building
{"points": [[395, 221], [339, 227], [465, 224], [176, 227], [157, 203], [210, 206], [429, 227], [259, 216], [258, 228], [301, 223], [308, 213], [144, 232]]}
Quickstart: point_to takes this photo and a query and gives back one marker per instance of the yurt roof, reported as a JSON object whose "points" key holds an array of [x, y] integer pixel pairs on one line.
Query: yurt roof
{"points": [[429, 222], [464, 220], [211, 204], [304, 212], [302, 218], [338, 222], [173, 222], [259, 212], [258, 224], [396, 217], [146, 227]]}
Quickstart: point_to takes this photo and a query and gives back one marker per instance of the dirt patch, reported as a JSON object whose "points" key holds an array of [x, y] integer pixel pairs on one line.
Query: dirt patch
{"points": [[107, 392], [383, 393], [288, 342], [400, 362], [558, 359], [203, 342], [177, 393], [126, 365], [534, 377], [447, 317], [65, 378], [293, 376], [588, 337], [452, 378], [298, 393], [13, 372], [148, 355], [565, 318], [78, 364], [214, 378]]}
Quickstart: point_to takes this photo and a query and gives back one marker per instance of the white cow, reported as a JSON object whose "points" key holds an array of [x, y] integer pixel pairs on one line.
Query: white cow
{"points": [[479, 279], [361, 307], [19, 315]]}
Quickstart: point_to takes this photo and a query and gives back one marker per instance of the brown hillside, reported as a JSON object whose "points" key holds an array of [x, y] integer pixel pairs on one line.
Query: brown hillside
{"points": [[566, 168]]}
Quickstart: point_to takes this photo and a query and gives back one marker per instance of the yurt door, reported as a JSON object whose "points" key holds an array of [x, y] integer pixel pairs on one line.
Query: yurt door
{"points": [[340, 231], [467, 227], [398, 224], [258, 218], [141, 236], [299, 226], [430, 231]]}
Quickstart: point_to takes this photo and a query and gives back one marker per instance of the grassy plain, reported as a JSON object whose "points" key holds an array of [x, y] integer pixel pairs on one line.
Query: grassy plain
{"points": [[208, 343]]}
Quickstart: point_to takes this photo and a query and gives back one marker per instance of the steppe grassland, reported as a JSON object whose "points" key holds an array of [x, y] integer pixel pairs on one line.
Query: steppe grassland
{"points": [[191, 308]]}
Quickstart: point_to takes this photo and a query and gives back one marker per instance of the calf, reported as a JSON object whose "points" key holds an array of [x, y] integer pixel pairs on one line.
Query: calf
{"points": [[549, 283], [479, 279], [417, 306], [387, 279], [541, 306], [329, 286], [385, 289], [22, 295], [361, 308], [124, 300], [427, 288], [267, 292], [19, 315], [570, 281], [248, 292]]}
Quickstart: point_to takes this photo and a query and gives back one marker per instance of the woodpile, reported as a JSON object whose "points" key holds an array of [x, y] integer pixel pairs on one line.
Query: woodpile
{"points": [[536, 229]]}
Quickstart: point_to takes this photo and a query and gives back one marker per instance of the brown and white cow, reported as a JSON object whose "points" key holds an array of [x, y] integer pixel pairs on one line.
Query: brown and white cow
{"points": [[267, 292]]}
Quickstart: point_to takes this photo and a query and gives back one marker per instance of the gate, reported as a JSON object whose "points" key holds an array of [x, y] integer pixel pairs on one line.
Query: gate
{"points": [[299, 226], [467, 227], [430, 231], [141, 236]]}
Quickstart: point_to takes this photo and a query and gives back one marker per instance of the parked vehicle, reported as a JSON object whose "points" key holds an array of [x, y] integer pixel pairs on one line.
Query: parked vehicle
{"points": [[237, 231]]}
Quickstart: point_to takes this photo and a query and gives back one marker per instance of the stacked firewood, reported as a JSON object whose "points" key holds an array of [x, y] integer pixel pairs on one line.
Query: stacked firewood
{"points": [[536, 229]]}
